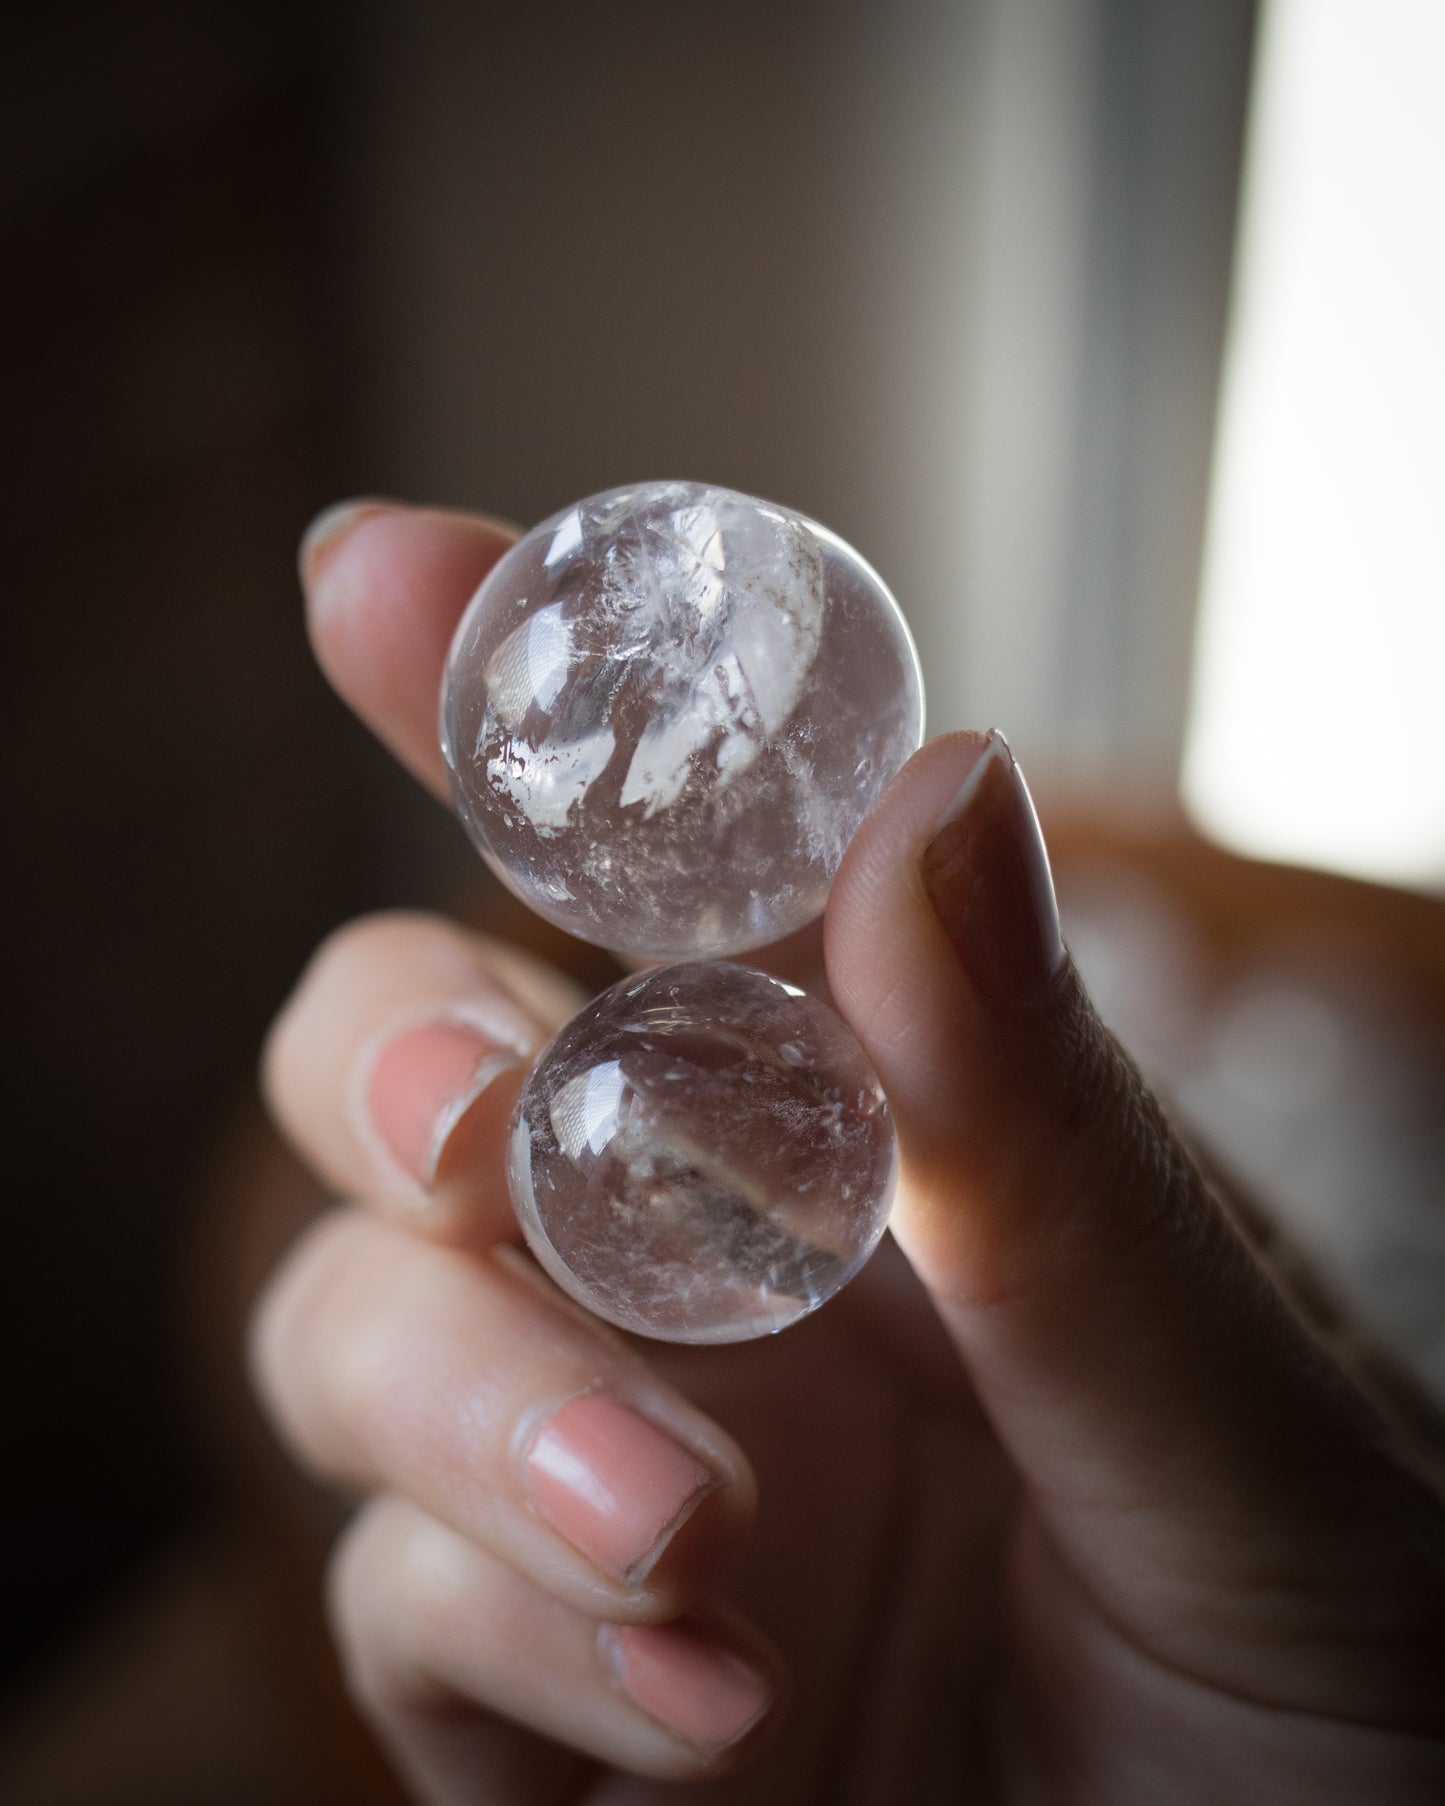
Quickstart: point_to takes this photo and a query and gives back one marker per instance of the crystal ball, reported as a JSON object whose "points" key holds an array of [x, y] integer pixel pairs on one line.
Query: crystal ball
{"points": [[667, 710], [703, 1154]]}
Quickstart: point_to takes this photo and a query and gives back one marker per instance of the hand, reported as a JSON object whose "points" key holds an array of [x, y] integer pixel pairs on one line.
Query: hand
{"points": [[1059, 1503]]}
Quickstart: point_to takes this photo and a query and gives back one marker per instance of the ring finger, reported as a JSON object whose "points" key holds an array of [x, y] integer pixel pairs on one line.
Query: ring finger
{"points": [[469, 1385]]}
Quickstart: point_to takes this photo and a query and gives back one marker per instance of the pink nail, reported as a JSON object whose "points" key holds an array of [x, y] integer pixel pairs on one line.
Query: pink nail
{"points": [[422, 1084], [617, 1487], [687, 1681]]}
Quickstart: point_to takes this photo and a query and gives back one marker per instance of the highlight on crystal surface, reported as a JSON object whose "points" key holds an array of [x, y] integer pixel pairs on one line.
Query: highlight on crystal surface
{"points": [[667, 710], [703, 1154]]}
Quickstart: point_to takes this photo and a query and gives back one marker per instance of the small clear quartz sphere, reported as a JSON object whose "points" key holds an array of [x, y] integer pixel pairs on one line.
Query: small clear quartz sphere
{"points": [[703, 1154], [667, 710]]}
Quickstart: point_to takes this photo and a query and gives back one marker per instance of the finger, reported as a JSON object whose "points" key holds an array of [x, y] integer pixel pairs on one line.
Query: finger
{"points": [[1148, 1380], [444, 1645], [385, 587], [395, 1064], [471, 1387], [385, 1596]]}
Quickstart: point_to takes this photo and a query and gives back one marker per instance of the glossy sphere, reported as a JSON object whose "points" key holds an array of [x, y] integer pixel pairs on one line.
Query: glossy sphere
{"points": [[667, 710], [703, 1154]]}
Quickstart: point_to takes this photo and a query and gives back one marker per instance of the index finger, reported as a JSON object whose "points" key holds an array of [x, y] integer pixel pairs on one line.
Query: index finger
{"points": [[385, 587]]}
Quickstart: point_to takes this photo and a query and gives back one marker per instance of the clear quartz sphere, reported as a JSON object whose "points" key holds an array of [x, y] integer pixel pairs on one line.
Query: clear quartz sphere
{"points": [[667, 710], [703, 1154]]}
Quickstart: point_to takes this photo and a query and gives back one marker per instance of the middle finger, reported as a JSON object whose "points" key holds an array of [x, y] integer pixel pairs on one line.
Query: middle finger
{"points": [[396, 1061]]}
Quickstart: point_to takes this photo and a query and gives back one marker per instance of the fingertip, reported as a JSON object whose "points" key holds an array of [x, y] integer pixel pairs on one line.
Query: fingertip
{"points": [[890, 968], [327, 532], [883, 854], [385, 585]]}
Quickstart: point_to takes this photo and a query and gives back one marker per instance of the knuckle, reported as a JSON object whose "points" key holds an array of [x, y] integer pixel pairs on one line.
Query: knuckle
{"points": [[347, 1573], [300, 1341], [393, 1592], [368, 1400], [284, 1305], [363, 1626]]}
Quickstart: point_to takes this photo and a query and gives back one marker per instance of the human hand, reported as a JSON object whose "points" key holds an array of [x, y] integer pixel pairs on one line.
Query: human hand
{"points": [[1066, 1505]]}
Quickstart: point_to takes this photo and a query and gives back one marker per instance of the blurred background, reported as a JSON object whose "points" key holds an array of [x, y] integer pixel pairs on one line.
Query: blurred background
{"points": [[1108, 330]]}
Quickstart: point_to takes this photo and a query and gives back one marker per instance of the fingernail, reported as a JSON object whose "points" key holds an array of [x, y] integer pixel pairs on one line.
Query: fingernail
{"points": [[687, 1681], [613, 1484], [422, 1084], [328, 530], [987, 875]]}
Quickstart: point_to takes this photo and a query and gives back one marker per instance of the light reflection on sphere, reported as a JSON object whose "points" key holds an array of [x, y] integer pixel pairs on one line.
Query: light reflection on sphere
{"points": [[703, 1154], [668, 709]]}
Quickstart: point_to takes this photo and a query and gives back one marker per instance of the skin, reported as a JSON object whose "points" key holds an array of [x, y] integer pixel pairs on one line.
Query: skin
{"points": [[1059, 1502]]}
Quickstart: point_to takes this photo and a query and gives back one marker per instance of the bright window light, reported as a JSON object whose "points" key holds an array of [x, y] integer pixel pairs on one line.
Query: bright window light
{"points": [[1317, 726]]}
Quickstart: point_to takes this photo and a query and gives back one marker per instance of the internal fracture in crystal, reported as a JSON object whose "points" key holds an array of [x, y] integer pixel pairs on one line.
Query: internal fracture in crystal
{"points": [[703, 1154], [666, 712]]}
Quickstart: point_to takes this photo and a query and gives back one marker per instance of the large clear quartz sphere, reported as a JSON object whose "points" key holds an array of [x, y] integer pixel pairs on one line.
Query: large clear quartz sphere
{"points": [[703, 1154], [667, 710]]}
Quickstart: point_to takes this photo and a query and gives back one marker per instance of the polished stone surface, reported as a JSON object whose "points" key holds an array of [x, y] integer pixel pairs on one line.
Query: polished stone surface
{"points": [[703, 1154], [666, 712]]}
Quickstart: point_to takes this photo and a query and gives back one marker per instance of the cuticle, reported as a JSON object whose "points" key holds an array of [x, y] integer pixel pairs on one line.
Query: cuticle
{"points": [[494, 1066], [640, 1572]]}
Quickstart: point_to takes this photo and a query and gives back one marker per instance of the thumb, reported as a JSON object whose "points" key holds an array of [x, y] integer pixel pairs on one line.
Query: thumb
{"points": [[1179, 1434]]}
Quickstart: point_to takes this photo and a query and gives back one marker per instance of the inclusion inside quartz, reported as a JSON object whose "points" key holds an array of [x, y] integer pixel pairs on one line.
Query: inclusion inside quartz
{"points": [[713, 634], [667, 711], [703, 1154]]}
